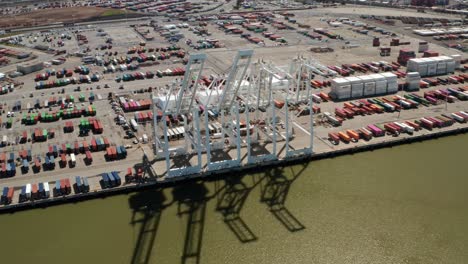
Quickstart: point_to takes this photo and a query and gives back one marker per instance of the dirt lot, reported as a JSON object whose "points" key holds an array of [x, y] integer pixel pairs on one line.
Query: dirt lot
{"points": [[42, 17]]}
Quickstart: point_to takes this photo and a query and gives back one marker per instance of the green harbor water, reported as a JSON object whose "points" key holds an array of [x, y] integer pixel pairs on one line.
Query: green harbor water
{"points": [[407, 204]]}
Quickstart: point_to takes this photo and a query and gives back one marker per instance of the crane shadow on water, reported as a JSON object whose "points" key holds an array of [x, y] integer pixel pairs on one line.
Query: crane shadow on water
{"points": [[190, 198], [274, 193], [230, 200], [147, 207]]}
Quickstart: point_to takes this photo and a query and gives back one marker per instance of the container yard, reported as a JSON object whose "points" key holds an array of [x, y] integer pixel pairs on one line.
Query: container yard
{"points": [[91, 109]]}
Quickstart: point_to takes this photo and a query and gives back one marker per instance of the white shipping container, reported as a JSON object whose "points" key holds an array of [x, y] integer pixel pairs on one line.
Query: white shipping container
{"points": [[381, 83], [46, 189], [451, 66], [344, 90], [369, 89], [389, 76], [408, 129], [431, 69], [377, 77], [457, 117], [392, 87], [28, 190], [441, 65], [134, 124], [422, 69], [380, 90], [353, 80], [337, 83], [441, 71], [357, 90]]}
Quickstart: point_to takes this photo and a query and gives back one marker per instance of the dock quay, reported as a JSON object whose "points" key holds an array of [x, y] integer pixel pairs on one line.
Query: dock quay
{"points": [[243, 169]]}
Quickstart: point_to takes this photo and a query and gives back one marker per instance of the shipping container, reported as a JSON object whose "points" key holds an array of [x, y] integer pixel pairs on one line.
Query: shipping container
{"points": [[85, 185], [377, 132], [28, 191], [72, 160], [89, 158], [426, 123], [344, 137], [365, 134], [112, 180], [46, 190], [57, 189], [34, 192], [67, 186], [105, 181], [22, 196], [116, 176], [78, 184], [353, 135]]}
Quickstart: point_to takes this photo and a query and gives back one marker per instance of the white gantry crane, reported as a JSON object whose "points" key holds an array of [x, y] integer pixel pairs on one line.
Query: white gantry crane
{"points": [[222, 103], [180, 106], [264, 115], [301, 74], [261, 91]]}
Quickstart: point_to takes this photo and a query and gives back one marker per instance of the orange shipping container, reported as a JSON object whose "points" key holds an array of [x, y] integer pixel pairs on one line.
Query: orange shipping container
{"points": [[279, 104], [343, 136], [352, 134], [348, 105]]}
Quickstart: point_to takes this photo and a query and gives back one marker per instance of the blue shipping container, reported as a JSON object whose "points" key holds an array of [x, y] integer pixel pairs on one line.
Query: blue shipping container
{"points": [[117, 178], [111, 179], [105, 180], [57, 187], [85, 184], [78, 182], [124, 151]]}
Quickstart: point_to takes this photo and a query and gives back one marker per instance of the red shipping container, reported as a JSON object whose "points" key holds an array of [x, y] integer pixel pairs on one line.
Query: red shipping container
{"points": [[34, 189], [63, 187], [37, 163], [106, 142], [85, 145], [109, 152], [67, 185], [63, 159], [11, 192], [88, 156], [93, 144]]}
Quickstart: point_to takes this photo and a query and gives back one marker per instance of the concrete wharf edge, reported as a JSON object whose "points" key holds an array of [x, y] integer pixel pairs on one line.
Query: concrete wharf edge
{"points": [[210, 175]]}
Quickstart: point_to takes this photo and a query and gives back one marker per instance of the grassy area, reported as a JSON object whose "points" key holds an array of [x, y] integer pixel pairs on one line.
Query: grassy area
{"points": [[113, 12]]}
